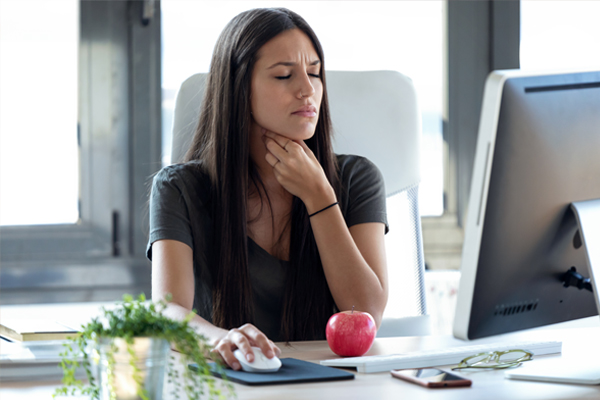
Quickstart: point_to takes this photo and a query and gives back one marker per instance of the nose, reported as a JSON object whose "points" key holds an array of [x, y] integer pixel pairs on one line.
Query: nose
{"points": [[306, 87]]}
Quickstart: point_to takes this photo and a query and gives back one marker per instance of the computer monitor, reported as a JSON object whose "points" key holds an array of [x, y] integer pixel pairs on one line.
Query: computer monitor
{"points": [[538, 151]]}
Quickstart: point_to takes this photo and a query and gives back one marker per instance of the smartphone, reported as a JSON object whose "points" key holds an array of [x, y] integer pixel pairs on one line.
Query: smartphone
{"points": [[431, 377]]}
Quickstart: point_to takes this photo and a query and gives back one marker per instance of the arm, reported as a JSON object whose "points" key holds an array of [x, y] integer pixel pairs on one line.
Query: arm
{"points": [[353, 258], [172, 272], [173, 264], [354, 262]]}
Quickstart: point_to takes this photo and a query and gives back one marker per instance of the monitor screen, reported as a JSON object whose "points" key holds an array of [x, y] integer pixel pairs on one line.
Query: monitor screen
{"points": [[538, 151]]}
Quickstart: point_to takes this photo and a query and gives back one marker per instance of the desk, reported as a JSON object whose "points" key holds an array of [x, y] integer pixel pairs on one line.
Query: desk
{"points": [[486, 384]]}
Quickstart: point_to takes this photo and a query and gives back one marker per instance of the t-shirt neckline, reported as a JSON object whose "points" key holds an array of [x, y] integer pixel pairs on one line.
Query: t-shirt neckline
{"points": [[264, 252]]}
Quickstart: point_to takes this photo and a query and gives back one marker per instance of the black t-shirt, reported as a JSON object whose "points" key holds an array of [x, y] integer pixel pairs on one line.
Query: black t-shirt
{"points": [[179, 211]]}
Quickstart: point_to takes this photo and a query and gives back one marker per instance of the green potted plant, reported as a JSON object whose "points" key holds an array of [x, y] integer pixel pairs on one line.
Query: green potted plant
{"points": [[126, 351]]}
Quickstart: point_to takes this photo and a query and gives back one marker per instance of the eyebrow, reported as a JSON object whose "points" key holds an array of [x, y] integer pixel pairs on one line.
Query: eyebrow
{"points": [[292, 63]]}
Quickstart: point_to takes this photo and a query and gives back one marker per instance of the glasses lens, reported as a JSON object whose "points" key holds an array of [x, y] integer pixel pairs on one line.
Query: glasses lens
{"points": [[514, 356], [478, 359]]}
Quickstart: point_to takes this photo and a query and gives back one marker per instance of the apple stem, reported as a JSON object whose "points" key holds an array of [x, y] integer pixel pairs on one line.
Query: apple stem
{"points": [[352, 310]]}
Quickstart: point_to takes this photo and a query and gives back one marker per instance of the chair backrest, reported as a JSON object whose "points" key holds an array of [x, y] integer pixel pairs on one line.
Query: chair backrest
{"points": [[374, 114]]}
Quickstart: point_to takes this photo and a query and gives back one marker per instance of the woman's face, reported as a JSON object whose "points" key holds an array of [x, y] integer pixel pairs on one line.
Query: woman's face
{"points": [[286, 86]]}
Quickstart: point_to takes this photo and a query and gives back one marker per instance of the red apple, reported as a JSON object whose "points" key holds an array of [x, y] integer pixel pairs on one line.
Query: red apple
{"points": [[350, 333]]}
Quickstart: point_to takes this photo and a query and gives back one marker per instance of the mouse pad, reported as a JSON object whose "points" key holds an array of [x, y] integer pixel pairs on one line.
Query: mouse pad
{"points": [[292, 371]]}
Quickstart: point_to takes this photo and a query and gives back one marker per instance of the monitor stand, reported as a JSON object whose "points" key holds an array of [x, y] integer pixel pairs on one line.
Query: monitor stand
{"points": [[584, 371]]}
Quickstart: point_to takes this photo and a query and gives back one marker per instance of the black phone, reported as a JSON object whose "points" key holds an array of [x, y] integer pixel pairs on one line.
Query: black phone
{"points": [[431, 377]]}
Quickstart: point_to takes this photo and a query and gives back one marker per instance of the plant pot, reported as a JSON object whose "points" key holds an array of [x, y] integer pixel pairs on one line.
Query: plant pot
{"points": [[115, 371]]}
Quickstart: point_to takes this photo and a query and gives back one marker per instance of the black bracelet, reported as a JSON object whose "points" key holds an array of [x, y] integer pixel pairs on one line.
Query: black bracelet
{"points": [[323, 209]]}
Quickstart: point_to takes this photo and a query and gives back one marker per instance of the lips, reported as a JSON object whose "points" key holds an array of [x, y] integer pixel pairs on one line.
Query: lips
{"points": [[306, 111]]}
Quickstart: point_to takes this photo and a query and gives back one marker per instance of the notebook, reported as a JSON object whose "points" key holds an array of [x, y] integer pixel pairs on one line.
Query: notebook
{"points": [[27, 330], [292, 371], [26, 361], [581, 370]]}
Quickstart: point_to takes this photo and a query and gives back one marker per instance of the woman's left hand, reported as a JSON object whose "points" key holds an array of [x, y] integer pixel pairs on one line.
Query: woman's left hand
{"points": [[297, 169]]}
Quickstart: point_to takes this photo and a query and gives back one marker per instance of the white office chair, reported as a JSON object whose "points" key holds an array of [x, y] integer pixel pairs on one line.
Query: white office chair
{"points": [[374, 114]]}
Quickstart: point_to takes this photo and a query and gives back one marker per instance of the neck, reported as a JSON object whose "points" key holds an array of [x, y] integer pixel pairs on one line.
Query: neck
{"points": [[258, 151]]}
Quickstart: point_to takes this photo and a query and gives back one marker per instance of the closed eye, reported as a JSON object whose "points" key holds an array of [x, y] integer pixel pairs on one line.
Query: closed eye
{"points": [[315, 75], [283, 77]]}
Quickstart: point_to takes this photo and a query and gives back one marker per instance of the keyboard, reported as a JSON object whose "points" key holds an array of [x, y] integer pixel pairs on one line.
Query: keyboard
{"points": [[434, 358]]}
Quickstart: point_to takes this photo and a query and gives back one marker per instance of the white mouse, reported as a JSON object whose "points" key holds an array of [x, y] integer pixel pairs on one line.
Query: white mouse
{"points": [[260, 364]]}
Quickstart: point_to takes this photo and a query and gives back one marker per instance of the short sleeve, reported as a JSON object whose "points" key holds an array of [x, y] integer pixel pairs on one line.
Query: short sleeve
{"points": [[168, 211], [363, 191]]}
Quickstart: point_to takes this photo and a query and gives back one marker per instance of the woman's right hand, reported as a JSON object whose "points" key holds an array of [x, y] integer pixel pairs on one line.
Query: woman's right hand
{"points": [[243, 338]]}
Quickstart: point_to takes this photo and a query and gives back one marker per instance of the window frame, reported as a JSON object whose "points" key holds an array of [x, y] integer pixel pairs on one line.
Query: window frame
{"points": [[119, 144], [482, 36]]}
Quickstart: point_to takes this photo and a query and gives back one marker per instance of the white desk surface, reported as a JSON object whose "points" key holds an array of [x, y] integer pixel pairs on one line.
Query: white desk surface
{"points": [[486, 384]]}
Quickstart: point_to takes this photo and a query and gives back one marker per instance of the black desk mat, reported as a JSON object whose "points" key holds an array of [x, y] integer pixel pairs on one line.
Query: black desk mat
{"points": [[292, 371]]}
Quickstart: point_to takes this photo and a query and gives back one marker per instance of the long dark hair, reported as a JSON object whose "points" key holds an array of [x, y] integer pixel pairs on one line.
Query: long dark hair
{"points": [[221, 144]]}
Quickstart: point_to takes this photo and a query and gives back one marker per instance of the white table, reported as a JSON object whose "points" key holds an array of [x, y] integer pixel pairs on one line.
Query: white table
{"points": [[486, 384]]}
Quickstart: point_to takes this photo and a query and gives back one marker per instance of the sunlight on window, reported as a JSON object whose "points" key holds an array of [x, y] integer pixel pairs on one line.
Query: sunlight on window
{"points": [[39, 170], [560, 34]]}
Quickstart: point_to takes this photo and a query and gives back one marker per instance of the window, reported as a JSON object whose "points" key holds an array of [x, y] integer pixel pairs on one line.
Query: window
{"points": [[80, 134], [39, 172], [559, 34]]}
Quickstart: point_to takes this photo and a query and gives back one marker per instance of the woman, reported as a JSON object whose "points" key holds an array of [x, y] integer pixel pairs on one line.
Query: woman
{"points": [[264, 232]]}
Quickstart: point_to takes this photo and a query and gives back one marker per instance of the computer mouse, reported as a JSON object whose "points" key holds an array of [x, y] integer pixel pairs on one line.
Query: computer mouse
{"points": [[260, 364]]}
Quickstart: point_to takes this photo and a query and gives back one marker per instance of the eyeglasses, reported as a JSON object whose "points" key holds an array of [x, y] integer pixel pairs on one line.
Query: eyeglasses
{"points": [[495, 360]]}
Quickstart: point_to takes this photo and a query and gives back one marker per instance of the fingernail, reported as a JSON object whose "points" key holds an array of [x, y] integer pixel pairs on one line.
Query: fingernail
{"points": [[235, 365], [270, 354], [249, 357]]}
